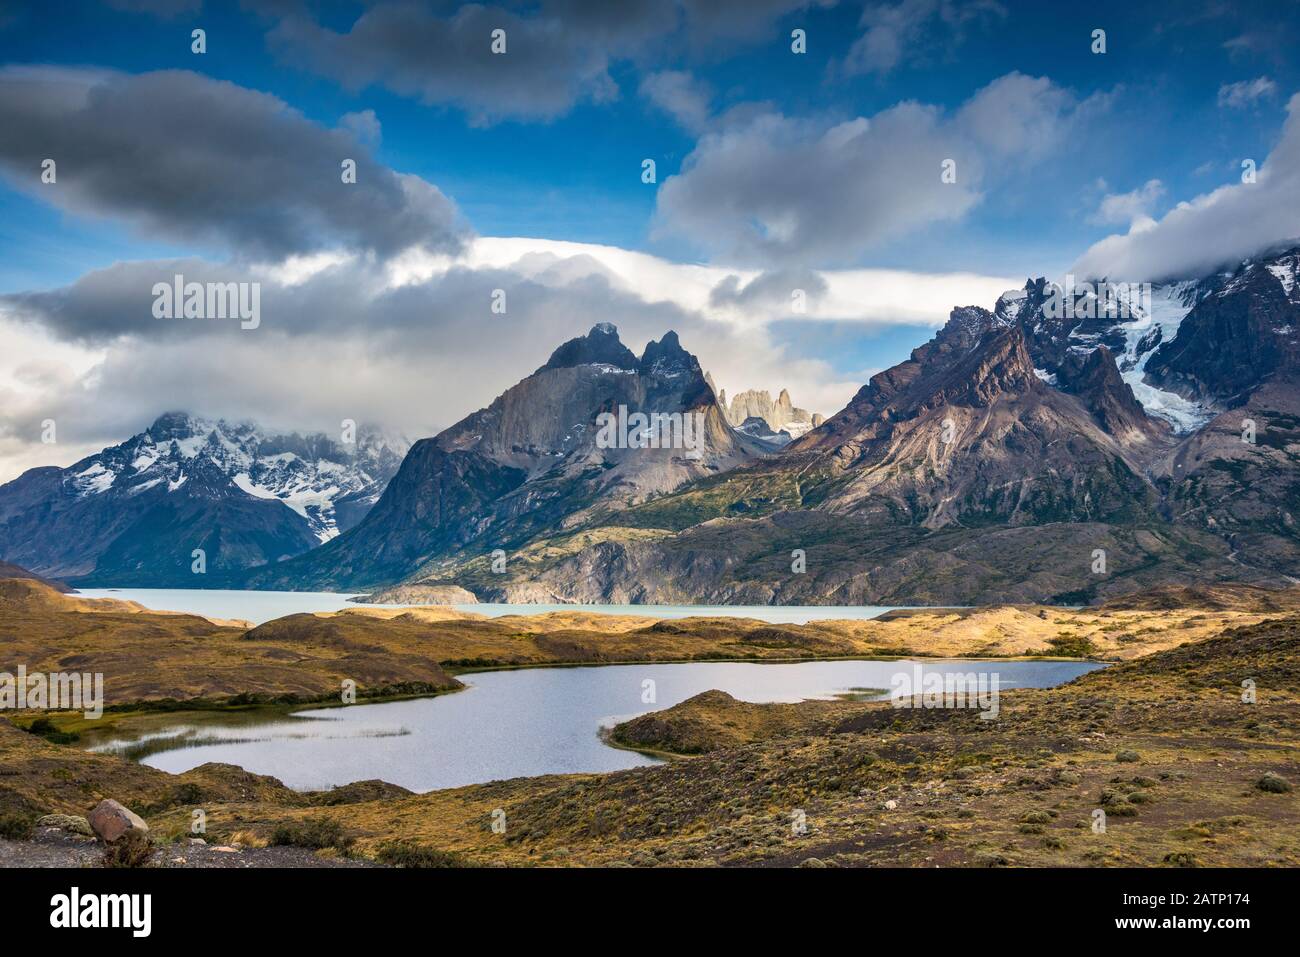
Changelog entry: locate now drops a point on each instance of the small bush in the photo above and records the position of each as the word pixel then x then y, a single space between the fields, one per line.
pixel 410 854
pixel 132 849
pixel 188 793
pixel 1128 757
pixel 1273 783
pixel 1069 645
pixel 315 834
pixel 44 728
pixel 15 826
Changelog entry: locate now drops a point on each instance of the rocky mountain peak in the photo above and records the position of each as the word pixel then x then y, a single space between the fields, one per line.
pixel 1017 305
pixel 967 325
pixel 133 512
pixel 776 418
pixel 600 346
pixel 667 357
pixel 1111 400
pixel 594 431
pixel 171 425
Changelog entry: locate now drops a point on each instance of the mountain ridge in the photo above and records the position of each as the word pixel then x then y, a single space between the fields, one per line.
pixel 1053 459
pixel 995 463
pixel 135 512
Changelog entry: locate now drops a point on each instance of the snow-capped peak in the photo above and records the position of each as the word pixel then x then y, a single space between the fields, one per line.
pixel 328 482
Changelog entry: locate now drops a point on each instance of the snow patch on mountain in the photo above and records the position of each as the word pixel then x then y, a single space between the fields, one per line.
pixel 1169 306
pixel 95 480
pixel 309 474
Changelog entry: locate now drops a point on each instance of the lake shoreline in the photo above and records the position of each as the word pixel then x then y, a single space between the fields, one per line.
pixel 72 722
pixel 260 606
pixel 519 722
pixel 880 785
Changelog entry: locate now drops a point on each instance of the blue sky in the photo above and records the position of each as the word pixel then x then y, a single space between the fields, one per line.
pixel 817 169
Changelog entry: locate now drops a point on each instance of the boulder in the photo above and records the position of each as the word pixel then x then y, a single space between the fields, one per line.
pixel 110 820
pixel 71 823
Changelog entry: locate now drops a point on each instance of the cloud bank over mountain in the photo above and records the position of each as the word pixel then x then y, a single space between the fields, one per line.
pixel 394 339
pixel 1216 229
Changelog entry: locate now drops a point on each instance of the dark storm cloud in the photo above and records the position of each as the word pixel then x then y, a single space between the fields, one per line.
pixel 447 59
pixel 343 299
pixel 558 53
pixel 188 158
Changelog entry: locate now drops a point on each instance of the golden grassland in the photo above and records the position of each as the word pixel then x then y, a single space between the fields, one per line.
pixel 1162 741
pixel 148 656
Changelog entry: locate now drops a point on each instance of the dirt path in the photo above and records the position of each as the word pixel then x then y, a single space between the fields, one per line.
pixel 54 848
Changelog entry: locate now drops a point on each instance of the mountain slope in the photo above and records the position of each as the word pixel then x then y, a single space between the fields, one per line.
pixel 533 461
pixel 957 476
pixel 10 570
pixel 135 512
pixel 1237 337
pixel 1067 445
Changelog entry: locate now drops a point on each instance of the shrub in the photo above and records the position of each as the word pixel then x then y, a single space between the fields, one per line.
pixel 15 826
pixel 44 728
pixel 188 793
pixel 1273 783
pixel 1127 757
pixel 132 849
pixel 314 833
pixel 1070 645
pixel 405 853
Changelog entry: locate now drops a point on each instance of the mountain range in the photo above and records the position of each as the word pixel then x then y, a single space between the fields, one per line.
pixel 134 513
pixel 1053 448
pixel 1027 452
